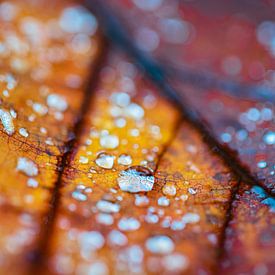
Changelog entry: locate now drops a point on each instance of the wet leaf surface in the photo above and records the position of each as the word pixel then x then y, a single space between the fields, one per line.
pixel 230 86
pixel 101 173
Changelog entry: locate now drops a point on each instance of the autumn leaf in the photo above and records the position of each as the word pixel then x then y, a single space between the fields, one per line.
pixel 138 146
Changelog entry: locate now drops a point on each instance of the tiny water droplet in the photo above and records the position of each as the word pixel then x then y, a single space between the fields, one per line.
pixel 136 179
pixel 128 224
pixel 163 201
pixel 109 141
pixel 27 166
pixel 262 164
pixel 269 138
pixel 7 121
pixel 124 159
pixel 57 102
pixel 192 191
pixel 105 161
pixel 77 195
pixel 160 244
pixel 107 206
pixel 83 160
pixel 23 132
pixel 169 189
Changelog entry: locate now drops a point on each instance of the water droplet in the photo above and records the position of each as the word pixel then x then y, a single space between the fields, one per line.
pixel 136 179
pixel 124 159
pixel 151 218
pixel 77 20
pixel 109 141
pixel 163 201
pixel 83 160
pixel 105 219
pixel 134 111
pixel 77 195
pixel 90 241
pixel 148 5
pixel 105 161
pixel 120 99
pixel 13 113
pixel 40 109
pixel 32 183
pixel 7 122
pixel 177 225
pixel 192 191
pixel 23 132
pixel 107 206
pixel 269 138
pixel 262 164
pixel 191 218
pixel 175 263
pixel 141 201
pixel 169 189
pixel 160 244
pixel 115 237
pixel 27 166
pixel 226 137
pixel 57 102
pixel 128 224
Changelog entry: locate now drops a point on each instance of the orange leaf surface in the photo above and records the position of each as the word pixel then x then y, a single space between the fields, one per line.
pixel 101 173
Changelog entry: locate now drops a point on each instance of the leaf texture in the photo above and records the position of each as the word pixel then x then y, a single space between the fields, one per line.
pixel 101 173
pixel 220 64
pixel 42 92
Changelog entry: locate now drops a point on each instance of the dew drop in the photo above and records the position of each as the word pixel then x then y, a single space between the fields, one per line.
pixel 57 102
pixel 191 218
pixel 128 224
pixel 192 191
pixel 105 219
pixel 269 138
pixel 109 141
pixel 107 206
pixel 120 99
pixel 23 132
pixel 134 111
pixel 160 244
pixel 169 189
pixel 40 109
pixel 32 183
pixel 7 122
pixel 115 237
pixel 124 159
pixel 141 201
pixel 105 161
pixel 175 263
pixel 262 164
pixel 77 195
pixel 27 166
pixel 83 160
pixel 163 201
pixel 136 179
pixel 90 241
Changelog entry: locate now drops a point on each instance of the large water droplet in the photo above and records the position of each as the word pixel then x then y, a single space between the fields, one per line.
pixel 136 179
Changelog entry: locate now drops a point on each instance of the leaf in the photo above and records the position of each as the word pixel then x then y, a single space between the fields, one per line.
pixel 42 97
pixel 101 173
pixel 249 242
pixel 236 96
